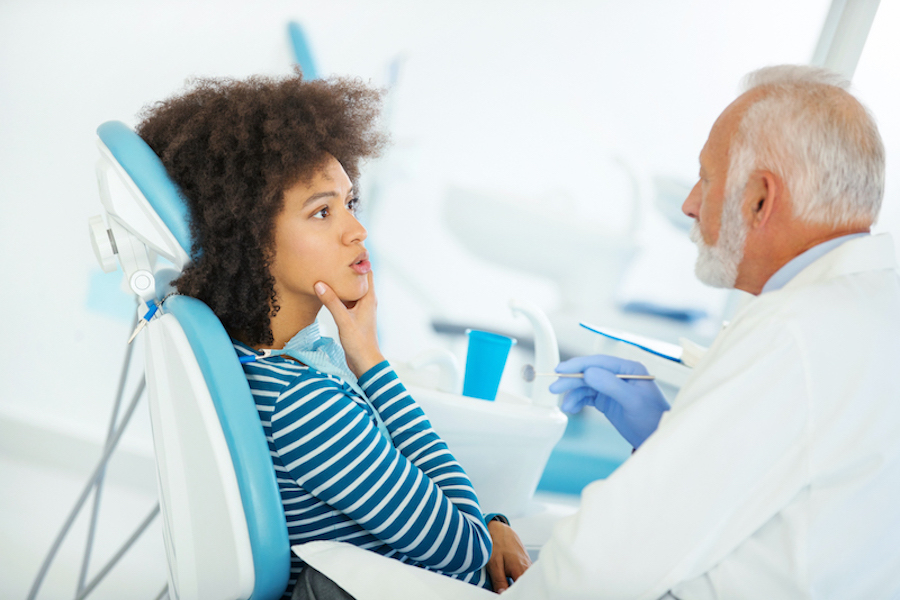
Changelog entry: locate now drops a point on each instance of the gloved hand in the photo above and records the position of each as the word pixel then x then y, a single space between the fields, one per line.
pixel 633 406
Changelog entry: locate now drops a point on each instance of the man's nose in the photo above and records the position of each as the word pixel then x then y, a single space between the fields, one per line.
pixel 691 206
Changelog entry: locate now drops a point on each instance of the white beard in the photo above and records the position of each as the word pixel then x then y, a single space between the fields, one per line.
pixel 717 265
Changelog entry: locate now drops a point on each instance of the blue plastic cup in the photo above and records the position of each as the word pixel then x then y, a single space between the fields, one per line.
pixel 485 360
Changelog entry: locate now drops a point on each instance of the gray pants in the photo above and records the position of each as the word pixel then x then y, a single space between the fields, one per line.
pixel 312 585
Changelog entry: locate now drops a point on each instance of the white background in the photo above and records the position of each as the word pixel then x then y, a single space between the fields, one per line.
pixel 536 102
pixel 528 100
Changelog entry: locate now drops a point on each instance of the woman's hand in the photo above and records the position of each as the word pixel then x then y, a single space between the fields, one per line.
pixel 508 557
pixel 356 327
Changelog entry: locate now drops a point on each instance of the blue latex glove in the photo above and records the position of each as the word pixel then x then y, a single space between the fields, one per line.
pixel 633 406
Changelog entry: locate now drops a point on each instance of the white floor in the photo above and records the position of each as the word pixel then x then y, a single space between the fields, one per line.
pixel 35 500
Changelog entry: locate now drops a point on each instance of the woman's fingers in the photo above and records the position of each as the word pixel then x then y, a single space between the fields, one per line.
pixel 331 302
pixel 369 299
pixel 509 559
pixel 497 573
pixel 356 326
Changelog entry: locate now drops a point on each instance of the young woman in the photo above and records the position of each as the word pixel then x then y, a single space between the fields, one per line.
pixel 269 168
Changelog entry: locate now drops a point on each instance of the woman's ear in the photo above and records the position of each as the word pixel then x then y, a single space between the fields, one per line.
pixel 762 197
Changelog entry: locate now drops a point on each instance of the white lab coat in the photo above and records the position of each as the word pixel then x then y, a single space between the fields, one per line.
pixel 775 475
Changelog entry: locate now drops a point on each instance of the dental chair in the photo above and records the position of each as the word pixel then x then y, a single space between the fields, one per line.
pixel 223 524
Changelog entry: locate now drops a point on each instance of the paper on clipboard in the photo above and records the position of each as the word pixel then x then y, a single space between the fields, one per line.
pixel 666 350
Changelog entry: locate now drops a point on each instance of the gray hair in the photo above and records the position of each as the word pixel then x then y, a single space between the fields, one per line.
pixel 824 144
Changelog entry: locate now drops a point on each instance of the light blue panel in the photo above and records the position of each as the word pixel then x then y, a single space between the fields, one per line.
pixel 302 53
pixel 589 450
pixel 105 296
pixel 246 441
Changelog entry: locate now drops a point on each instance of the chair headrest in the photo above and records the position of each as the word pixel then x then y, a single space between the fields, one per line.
pixel 148 173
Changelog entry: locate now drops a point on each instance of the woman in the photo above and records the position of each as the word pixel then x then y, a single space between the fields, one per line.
pixel 269 169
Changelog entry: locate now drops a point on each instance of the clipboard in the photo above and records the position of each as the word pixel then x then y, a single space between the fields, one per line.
pixel 665 350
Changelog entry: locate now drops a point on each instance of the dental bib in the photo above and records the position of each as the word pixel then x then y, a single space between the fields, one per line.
pixel 327 356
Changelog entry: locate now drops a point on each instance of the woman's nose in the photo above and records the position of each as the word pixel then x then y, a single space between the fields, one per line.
pixel 354 231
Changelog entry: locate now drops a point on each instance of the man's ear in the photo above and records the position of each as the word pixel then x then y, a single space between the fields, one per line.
pixel 762 197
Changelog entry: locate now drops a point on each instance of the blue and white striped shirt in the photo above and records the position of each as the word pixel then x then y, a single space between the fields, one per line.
pixel 341 479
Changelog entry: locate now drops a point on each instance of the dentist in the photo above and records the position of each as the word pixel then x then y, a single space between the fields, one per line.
pixel 776 471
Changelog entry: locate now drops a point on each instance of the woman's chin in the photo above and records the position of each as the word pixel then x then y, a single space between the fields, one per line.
pixel 352 296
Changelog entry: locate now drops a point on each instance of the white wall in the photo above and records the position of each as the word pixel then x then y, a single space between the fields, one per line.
pixel 530 99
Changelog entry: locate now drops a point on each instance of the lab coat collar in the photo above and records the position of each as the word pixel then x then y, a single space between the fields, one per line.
pixel 801 261
pixel 863 254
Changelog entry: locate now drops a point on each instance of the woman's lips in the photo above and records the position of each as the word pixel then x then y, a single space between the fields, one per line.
pixel 362 267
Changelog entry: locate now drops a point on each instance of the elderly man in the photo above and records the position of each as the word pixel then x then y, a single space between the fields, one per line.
pixel 776 473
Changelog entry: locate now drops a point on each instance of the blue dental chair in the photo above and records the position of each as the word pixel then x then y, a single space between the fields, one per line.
pixel 223 523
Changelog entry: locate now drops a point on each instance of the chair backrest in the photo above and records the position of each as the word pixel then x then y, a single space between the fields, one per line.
pixel 223 521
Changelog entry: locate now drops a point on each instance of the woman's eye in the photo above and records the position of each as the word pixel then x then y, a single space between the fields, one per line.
pixel 321 213
pixel 353 205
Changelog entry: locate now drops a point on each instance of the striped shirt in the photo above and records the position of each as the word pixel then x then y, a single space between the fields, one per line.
pixel 341 479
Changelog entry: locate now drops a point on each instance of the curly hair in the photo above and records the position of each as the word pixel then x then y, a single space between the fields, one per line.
pixel 234 147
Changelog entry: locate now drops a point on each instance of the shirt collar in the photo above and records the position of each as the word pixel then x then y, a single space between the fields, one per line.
pixel 308 338
pixel 783 275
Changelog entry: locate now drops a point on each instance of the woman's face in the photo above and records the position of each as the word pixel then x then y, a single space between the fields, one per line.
pixel 317 238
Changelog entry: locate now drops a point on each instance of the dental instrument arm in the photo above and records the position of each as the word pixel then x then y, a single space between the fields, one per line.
pixel 634 407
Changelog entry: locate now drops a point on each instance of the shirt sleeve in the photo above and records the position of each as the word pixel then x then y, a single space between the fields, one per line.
pixel 411 494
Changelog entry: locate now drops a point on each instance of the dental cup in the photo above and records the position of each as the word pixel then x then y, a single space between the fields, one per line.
pixel 485 360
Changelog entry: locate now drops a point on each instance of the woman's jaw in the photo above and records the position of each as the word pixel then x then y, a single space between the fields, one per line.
pixel 353 290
